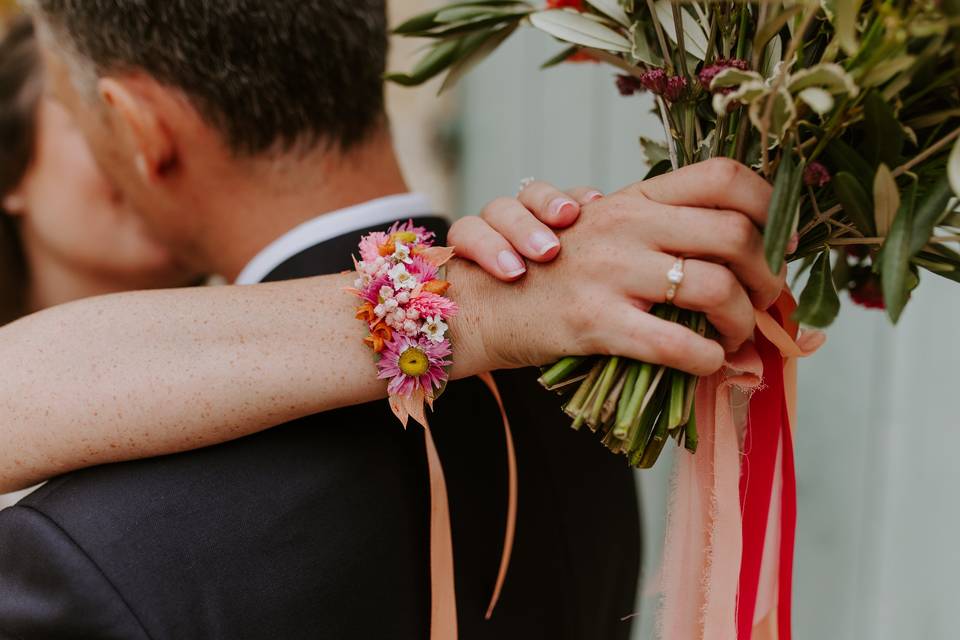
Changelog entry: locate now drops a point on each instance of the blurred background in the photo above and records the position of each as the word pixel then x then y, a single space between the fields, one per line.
pixel 879 425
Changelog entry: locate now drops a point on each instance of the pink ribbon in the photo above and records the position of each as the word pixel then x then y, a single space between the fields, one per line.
pixel 443 599
pixel 702 583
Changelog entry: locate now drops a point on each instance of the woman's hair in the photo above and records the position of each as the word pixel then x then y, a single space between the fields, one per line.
pixel 21 85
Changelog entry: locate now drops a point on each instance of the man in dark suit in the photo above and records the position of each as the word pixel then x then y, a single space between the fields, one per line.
pixel 251 137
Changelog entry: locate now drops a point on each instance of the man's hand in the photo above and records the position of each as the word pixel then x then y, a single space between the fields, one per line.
pixel 594 298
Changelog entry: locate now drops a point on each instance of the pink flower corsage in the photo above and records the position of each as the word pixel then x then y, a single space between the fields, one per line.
pixel 399 280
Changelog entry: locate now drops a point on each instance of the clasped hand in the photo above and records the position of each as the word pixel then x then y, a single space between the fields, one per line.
pixel 589 287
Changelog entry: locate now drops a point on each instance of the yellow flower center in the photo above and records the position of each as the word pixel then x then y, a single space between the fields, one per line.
pixel 405 237
pixel 414 362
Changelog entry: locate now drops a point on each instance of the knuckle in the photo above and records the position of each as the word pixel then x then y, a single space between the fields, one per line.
pixel 459 230
pixel 663 343
pixel 743 234
pixel 712 359
pixel 497 207
pixel 722 171
pixel 722 287
pixel 617 210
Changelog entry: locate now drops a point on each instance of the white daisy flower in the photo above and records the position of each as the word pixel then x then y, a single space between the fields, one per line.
pixel 435 329
pixel 402 253
pixel 402 279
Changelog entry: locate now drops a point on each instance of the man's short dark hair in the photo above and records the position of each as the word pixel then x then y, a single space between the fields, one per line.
pixel 269 74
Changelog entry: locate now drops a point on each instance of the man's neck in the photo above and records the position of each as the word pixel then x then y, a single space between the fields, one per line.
pixel 251 211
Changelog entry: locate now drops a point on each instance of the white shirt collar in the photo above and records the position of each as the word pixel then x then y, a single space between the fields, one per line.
pixel 330 225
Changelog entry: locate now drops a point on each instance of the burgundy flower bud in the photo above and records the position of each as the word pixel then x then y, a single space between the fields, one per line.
pixel 676 88
pixel 654 81
pixel 816 175
pixel 708 73
pixel 866 289
pixel 629 85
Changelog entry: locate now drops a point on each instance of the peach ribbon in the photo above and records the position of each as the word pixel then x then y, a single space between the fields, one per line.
pixel 443 600
pixel 701 563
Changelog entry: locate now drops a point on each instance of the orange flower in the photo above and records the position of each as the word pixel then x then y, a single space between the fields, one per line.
pixel 388 249
pixel 438 287
pixel 365 313
pixel 379 336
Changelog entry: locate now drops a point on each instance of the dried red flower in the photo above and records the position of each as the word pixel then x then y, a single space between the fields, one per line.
pixel 629 85
pixel 708 73
pixel 657 82
pixel 866 289
pixel 816 175
pixel 676 88
pixel 654 81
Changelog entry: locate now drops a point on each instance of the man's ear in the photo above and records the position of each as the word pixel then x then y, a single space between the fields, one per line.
pixel 141 119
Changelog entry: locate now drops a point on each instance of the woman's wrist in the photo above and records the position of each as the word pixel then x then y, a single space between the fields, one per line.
pixel 476 334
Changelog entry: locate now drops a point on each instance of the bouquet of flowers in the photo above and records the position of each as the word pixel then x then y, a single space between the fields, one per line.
pixel 850 108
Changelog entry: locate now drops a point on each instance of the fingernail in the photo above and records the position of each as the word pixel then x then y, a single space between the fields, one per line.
pixel 592 196
pixel 543 241
pixel 510 264
pixel 794 243
pixel 561 206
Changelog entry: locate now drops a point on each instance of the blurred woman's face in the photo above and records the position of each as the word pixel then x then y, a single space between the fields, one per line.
pixel 70 213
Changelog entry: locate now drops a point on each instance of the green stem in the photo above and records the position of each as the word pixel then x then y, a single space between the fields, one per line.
pixel 664 49
pixel 613 398
pixel 642 430
pixel 692 439
pixel 678 392
pixel 574 407
pixel 584 413
pixel 742 31
pixel 637 395
pixel 652 451
pixel 560 371
pixel 603 388
pixel 622 427
pixel 681 48
pixel 712 39
pixel 690 397
pixel 689 118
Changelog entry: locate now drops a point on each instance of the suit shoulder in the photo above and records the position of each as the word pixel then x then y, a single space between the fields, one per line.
pixel 50 587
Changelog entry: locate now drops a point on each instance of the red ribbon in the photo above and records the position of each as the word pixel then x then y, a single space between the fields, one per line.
pixel 768 447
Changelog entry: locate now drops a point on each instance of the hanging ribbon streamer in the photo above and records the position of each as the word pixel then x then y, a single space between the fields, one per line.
pixel 443 600
pixel 728 557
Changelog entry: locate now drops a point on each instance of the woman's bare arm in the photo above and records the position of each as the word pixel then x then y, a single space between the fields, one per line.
pixel 141 374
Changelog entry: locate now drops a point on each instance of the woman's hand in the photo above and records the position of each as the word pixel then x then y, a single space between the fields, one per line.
pixel 510 230
pixel 595 297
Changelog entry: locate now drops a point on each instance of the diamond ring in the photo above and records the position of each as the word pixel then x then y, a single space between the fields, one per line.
pixel 526 182
pixel 675 278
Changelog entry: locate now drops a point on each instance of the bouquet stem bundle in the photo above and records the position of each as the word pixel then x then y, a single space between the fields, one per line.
pixel 634 406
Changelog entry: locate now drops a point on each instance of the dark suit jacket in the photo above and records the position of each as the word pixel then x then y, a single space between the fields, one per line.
pixel 319 528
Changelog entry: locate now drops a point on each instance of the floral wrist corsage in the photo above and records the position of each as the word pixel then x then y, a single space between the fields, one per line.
pixel 400 282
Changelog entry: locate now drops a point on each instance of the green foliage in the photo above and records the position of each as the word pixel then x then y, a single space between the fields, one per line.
pixel 782 218
pixel 819 303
